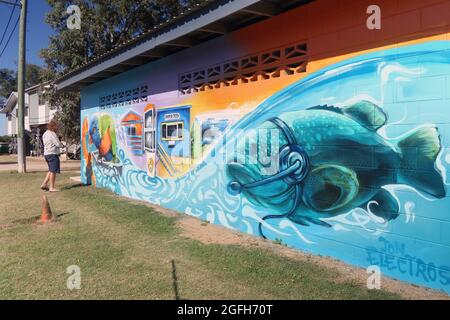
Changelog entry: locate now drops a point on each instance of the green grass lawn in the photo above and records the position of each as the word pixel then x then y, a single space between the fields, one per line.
pixel 127 250
pixel 11 159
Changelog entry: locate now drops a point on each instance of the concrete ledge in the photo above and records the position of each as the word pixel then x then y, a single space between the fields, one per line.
pixel 76 179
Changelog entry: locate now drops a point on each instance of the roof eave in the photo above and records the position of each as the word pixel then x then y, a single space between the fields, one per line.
pixel 37 86
pixel 195 21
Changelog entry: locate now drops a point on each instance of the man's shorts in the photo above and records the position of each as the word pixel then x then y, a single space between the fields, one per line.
pixel 53 163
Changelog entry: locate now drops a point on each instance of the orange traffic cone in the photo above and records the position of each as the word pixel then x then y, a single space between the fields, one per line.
pixel 46 212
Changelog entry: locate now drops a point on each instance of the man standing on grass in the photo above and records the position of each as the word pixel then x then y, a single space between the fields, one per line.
pixel 52 147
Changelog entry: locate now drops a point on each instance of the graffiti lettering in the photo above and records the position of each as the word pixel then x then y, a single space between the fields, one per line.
pixel 392 256
pixel 172 116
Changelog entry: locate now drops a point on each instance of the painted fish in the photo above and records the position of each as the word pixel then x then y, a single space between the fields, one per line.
pixel 348 164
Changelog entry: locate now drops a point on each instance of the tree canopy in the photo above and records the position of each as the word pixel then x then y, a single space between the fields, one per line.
pixel 104 25
pixel 8 79
pixel 8 82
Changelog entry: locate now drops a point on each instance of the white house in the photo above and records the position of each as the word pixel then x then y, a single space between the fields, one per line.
pixel 37 111
pixel 10 111
pixel 37 116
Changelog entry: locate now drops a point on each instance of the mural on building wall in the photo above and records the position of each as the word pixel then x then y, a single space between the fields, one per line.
pixel 362 146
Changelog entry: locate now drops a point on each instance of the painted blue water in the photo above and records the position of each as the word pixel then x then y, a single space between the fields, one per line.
pixel 411 84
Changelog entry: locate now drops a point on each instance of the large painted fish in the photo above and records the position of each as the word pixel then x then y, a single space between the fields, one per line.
pixel 332 160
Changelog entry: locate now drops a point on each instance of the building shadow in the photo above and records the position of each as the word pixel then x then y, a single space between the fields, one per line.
pixel 75 186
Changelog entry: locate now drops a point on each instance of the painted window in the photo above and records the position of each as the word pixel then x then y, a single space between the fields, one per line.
pixel 172 130
pixel 131 131
pixel 149 129
pixel 150 141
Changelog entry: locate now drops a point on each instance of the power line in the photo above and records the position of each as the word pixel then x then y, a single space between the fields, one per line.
pixel 10 36
pixel 7 25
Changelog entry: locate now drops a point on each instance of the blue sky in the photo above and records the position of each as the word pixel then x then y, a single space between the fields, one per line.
pixel 37 37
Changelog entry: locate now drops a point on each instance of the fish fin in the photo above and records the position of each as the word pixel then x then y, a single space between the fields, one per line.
pixel 367 114
pixel 330 187
pixel 318 222
pixel 419 151
pixel 364 112
pixel 303 220
pixel 326 108
pixel 383 205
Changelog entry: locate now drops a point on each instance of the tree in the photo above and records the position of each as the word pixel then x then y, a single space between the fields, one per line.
pixel 8 79
pixel 68 109
pixel 8 82
pixel 104 25
pixel 5 139
pixel 34 75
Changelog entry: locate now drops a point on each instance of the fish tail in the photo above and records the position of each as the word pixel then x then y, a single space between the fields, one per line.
pixel 419 151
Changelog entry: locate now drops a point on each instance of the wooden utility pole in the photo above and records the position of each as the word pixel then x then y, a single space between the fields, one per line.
pixel 21 157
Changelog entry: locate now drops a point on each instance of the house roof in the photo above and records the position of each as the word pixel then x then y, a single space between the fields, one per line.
pixel 132 117
pixel 34 88
pixel 10 103
pixel 206 20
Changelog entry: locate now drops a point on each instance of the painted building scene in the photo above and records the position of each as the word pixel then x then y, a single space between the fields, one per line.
pixel 333 138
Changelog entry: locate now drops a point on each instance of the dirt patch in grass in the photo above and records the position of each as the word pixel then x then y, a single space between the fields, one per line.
pixel 214 234
pixel 208 233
